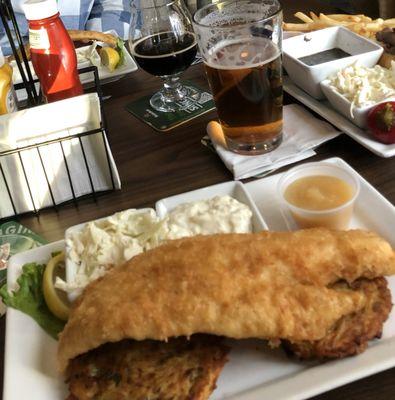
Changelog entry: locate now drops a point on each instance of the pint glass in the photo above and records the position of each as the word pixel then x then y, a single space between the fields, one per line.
pixel 240 43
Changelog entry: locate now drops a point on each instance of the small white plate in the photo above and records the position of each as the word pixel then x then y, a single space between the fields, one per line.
pixel 234 189
pixel 71 267
pixel 253 372
pixel 326 110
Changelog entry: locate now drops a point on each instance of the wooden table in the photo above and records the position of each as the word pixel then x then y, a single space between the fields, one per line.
pixel 155 165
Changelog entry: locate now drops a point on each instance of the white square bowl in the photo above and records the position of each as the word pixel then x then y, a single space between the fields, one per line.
pixel 308 77
pixel 234 189
pixel 343 105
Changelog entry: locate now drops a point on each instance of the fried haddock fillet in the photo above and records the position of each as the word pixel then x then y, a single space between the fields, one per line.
pixel 180 369
pixel 271 285
pixel 351 334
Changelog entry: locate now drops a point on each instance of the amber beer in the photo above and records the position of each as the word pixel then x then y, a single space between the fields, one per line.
pixel 245 77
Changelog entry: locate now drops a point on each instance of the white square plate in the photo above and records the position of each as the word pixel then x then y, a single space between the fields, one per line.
pixel 253 372
pixel 325 110
pixel 234 189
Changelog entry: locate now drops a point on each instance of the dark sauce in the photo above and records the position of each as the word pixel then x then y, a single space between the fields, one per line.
pixel 324 56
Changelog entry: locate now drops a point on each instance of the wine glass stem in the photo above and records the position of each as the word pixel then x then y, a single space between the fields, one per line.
pixel 172 89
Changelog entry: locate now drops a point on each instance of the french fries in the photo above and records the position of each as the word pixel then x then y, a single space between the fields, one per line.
pixel 361 24
pixel 303 17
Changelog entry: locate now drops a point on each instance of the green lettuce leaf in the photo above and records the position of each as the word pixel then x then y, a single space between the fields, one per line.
pixel 120 48
pixel 29 298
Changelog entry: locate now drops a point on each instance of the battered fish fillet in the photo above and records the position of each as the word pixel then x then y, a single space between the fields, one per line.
pixel 180 369
pixel 268 285
pixel 351 334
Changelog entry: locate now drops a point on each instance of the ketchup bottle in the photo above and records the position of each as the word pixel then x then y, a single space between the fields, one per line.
pixel 52 51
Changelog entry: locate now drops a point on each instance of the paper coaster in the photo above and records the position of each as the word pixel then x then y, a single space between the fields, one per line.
pixel 198 104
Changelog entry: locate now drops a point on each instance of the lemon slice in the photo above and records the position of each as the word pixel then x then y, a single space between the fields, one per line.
pixel 56 299
pixel 109 57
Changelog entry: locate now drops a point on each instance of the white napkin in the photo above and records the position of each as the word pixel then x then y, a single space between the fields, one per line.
pixel 52 121
pixel 301 134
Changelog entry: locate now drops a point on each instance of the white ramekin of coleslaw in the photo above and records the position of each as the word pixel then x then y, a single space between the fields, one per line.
pixel 355 90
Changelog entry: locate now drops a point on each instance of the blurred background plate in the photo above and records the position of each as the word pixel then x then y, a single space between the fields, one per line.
pixel 87 79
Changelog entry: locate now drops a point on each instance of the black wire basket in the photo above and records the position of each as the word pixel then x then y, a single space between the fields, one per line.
pixel 34 98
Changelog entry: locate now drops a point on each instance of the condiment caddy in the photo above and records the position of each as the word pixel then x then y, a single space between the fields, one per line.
pixel 65 161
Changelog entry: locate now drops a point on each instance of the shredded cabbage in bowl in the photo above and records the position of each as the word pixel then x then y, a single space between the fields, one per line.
pixel 103 244
pixel 364 86
pixel 107 243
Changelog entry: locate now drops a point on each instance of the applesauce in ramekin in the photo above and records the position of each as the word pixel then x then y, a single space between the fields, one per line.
pixel 319 195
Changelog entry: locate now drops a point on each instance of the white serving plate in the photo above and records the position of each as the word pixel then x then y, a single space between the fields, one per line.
pixel 71 267
pixel 308 77
pixel 234 189
pixel 325 110
pixel 253 372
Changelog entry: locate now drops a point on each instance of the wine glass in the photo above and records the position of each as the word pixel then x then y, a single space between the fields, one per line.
pixel 163 44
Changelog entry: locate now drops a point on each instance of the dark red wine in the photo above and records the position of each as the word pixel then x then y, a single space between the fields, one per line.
pixel 164 53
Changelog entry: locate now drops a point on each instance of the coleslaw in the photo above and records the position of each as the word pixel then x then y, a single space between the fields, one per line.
pixel 109 242
pixel 103 244
pixel 364 86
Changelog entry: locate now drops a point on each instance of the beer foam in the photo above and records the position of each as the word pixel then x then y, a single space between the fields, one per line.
pixel 134 53
pixel 249 52
pixel 240 13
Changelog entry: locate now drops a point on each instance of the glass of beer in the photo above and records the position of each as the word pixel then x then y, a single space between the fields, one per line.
pixel 240 43
pixel 163 44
